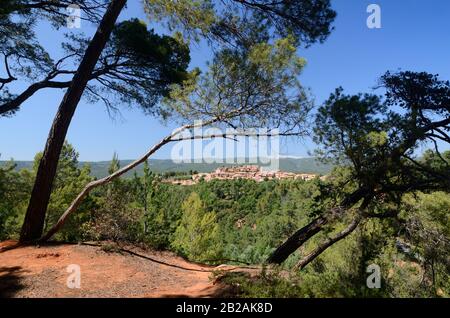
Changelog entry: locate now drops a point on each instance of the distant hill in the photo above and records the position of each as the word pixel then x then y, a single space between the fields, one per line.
pixel 100 168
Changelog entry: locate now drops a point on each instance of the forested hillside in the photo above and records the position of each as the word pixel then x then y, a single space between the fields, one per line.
pixel 99 169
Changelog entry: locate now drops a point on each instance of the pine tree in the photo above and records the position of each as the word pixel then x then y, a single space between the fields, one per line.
pixel 197 236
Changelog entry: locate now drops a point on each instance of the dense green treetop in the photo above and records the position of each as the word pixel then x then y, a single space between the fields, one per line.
pixel 237 21
pixel 380 137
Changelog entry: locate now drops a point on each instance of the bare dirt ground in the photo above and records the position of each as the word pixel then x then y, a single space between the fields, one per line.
pixel 33 271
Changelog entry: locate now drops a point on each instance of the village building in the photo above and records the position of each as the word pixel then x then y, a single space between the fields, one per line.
pixel 252 172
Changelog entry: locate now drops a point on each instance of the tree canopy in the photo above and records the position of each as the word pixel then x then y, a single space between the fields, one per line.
pixel 377 140
pixel 246 88
pixel 135 70
pixel 237 21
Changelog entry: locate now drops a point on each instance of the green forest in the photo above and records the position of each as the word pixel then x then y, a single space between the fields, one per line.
pixel 242 222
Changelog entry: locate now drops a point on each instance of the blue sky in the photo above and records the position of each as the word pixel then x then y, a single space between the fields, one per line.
pixel 415 35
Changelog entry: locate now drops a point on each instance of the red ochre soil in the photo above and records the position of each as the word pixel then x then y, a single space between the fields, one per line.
pixel 33 271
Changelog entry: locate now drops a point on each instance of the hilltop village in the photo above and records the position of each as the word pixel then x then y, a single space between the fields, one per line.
pixel 244 172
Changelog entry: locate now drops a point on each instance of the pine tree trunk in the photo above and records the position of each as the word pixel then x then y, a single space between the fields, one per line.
pixel 302 235
pixel 35 216
pixel 296 240
pixel 330 241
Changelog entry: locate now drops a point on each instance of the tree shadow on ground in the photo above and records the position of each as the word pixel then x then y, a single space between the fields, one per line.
pixel 207 268
pixel 216 291
pixel 10 281
pixel 9 245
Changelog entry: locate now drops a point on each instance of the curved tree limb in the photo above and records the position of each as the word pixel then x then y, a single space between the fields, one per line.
pixel 327 243
pixel 170 138
pixel 76 203
pixel 10 78
pixel 296 240
pixel 305 233
pixel 91 8
pixel 14 104
pixel 332 240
